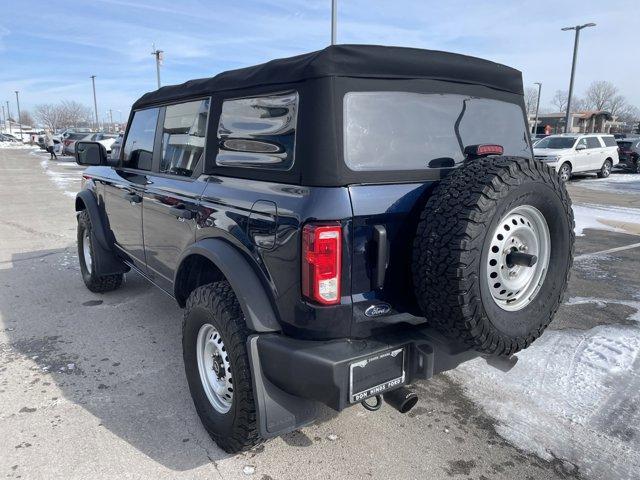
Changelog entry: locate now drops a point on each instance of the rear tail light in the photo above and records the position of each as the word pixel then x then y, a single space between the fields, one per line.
pixel 483 150
pixel 321 263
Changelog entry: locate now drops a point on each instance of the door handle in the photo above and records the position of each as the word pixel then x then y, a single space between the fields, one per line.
pixel 133 197
pixel 181 212
pixel 382 255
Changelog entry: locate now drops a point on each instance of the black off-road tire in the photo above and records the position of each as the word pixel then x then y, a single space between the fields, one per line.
pixel 216 304
pixel 635 166
pixel 95 283
pixel 605 170
pixel 452 241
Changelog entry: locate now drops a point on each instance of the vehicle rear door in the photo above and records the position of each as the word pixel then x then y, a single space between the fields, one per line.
pixel 174 189
pixel 393 131
pixel 124 191
pixel 595 153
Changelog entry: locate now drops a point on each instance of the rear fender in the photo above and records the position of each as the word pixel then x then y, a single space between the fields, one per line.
pixel 257 308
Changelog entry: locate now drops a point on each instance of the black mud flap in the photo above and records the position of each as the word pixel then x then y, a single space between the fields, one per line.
pixel 278 412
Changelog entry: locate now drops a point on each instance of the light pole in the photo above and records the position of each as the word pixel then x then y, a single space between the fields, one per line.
pixel 19 122
pixel 110 120
pixel 158 54
pixel 577 28
pixel 95 103
pixel 535 123
pixel 9 117
pixel 334 21
pixel 4 119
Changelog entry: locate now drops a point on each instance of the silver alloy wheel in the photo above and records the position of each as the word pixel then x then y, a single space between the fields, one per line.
pixel 214 368
pixel 86 251
pixel 524 229
pixel 606 169
pixel 565 172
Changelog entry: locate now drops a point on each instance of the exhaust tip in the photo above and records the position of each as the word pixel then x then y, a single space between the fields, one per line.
pixel 401 399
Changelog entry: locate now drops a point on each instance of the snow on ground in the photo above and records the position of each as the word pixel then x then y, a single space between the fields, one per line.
pixel 601 217
pixel 67 181
pixel 16 145
pixel 622 183
pixel 572 395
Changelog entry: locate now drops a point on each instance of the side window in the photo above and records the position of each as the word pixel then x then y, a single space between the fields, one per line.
pixel 609 142
pixel 183 137
pixel 258 132
pixel 583 142
pixel 593 142
pixel 138 147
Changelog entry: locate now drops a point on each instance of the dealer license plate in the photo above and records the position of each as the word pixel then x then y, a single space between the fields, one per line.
pixel 376 374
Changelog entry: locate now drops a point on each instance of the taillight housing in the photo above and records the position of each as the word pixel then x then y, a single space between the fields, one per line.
pixel 321 263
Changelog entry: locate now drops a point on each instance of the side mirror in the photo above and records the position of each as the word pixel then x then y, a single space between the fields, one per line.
pixel 90 153
pixel 580 147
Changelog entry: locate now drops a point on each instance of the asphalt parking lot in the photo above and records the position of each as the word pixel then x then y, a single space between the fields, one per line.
pixel 92 386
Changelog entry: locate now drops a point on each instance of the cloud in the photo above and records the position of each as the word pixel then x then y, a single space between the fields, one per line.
pixel 51 52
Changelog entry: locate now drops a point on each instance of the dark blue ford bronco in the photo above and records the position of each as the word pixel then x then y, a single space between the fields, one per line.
pixel 336 226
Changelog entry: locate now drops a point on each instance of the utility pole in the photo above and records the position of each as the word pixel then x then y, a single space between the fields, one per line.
pixel 334 21
pixel 9 117
pixel 95 103
pixel 577 28
pixel 19 122
pixel 535 123
pixel 110 120
pixel 159 57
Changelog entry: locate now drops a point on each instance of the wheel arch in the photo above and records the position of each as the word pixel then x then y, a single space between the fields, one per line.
pixel 212 259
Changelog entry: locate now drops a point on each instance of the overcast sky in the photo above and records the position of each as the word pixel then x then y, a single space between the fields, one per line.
pixel 49 49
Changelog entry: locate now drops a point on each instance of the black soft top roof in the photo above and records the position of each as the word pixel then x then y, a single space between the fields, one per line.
pixel 364 61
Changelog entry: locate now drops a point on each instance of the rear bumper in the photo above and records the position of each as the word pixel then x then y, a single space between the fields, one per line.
pixel 293 378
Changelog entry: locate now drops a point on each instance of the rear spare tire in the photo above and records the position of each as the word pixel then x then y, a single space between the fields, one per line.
pixel 492 253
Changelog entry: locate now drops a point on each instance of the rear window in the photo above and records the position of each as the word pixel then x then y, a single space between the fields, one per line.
pixel 609 141
pixel 413 131
pixel 593 142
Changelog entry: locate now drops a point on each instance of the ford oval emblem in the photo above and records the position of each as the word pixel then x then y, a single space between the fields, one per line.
pixel 377 310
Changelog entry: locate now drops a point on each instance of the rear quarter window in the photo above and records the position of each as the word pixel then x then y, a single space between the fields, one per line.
pixel 609 141
pixel 414 131
pixel 258 132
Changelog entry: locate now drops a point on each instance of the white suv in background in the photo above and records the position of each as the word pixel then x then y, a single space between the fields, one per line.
pixel 576 153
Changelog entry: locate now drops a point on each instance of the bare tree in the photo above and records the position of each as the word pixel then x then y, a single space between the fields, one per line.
pixel 600 94
pixel 530 100
pixel 559 101
pixel 26 118
pixel 74 114
pixel 48 115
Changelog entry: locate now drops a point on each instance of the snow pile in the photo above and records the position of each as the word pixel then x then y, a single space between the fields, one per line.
pixel 618 183
pixel 66 181
pixel 601 217
pixel 16 145
pixel 573 395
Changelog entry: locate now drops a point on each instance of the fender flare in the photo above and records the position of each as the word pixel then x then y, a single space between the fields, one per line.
pixel 106 261
pixel 255 304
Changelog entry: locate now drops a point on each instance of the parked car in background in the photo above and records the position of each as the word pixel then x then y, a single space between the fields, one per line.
pixel 115 148
pixel 57 144
pixel 629 152
pixel 105 139
pixel 69 143
pixel 5 137
pixel 578 153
